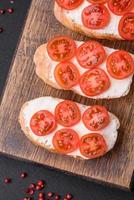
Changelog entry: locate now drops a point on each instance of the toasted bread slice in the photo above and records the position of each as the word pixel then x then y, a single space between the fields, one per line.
pixel 49 103
pixel 72 20
pixel 45 70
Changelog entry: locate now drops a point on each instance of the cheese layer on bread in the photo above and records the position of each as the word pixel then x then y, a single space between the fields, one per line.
pixel 49 103
pixel 45 67
pixel 73 19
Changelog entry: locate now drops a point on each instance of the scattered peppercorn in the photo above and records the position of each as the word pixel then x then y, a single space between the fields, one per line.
pixel 38 187
pixel 69 196
pixel 31 192
pixel 57 197
pixel 2 11
pixel 40 183
pixel 42 186
pixel 50 194
pixel 32 186
pixel 7 180
pixel 41 194
pixel 10 10
pixel 23 175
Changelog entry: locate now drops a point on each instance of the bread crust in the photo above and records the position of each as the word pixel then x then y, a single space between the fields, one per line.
pixel 27 132
pixel 43 66
pixel 61 17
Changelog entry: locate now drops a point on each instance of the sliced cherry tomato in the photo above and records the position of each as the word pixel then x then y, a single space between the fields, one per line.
pixel 61 48
pixel 126 26
pixel 66 140
pixel 94 82
pixel 90 54
pixel 98 1
pixel 120 64
pixel 69 4
pixel 67 113
pixel 66 75
pixel 119 7
pixel 96 118
pixel 42 123
pixel 95 16
pixel 93 145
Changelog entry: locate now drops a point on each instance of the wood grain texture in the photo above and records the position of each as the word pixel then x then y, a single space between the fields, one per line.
pixel 22 85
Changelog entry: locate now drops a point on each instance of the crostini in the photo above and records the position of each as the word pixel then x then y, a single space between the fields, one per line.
pixel 66 127
pixel 87 68
pixel 110 19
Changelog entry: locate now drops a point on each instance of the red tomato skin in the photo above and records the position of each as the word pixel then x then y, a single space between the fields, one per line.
pixel 98 1
pixel 34 129
pixel 97 92
pixel 61 38
pixel 122 25
pixel 59 81
pixel 93 156
pixel 85 16
pixel 119 12
pixel 77 4
pixel 77 113
pixel 75 142
pixel 106 117
pixel 101 50
pixel 131 61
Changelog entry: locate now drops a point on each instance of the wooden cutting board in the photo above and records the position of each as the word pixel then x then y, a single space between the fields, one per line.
pixel 23 84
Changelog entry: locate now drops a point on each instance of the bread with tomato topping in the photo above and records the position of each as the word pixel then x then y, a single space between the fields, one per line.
pixel 116 88
pixel 107 135
pixel 113 29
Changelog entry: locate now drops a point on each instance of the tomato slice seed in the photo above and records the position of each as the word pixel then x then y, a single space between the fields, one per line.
pixel 65 140
pixel 90 54
pixel 93 145
pixel 96 118
pixel 95 16
pixel 120 7
pixel 61 48
pixel 67 113
pixel 42 123
pixel 120 64
pixel 66 75
pixel 94 82
pixel 126 26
